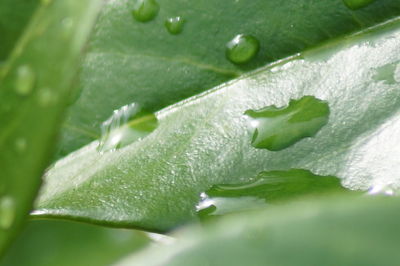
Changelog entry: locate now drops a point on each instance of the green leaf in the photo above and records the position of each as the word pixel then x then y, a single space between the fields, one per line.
pixel 332 231
pixel 132 61
pixel 34 90
pixel 156 183
pixel 49 243
pixel 14 15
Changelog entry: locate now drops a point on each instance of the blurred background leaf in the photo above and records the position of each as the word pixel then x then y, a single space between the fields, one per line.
pixel 34 89
pixel 49 243
pixel 331 231
pixel 14 16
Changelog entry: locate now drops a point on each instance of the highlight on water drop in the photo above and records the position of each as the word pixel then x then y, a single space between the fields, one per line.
pixel 7 212
pixel 25 80
pixel 128 124
pixel 145 10
pixel 357 4
pixel 175 25
pixel 277 128
pixel 242 48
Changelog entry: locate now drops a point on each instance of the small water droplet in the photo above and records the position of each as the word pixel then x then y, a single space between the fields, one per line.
pixel 242 49
pixel 20 144
pixel 357 4
pixel 67 23
pixel 127 125
pixel 45 2
pixel 277 128
pixel 386 73
pixel 46 97
pixel 25 80
pixel 145 10
pixel 175 25
pixel 7 212
pixel 266 188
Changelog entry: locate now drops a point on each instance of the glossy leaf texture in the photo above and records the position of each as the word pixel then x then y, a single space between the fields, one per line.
pixel 34 90
pixel 14 15
pixel 133 61
pixel 49 243
pixel 331 231
pixel 156 183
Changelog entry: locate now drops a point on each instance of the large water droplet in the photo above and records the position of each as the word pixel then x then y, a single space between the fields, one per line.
pixel 278 128
pixel 126 125
pixel 242 49
pixel 357 4
pixel 25 80
pixel 268 187
pixel 175 25
pixel 7 212
pixel 145 10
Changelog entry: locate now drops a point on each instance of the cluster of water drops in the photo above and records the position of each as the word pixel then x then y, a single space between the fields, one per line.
pixel 241 49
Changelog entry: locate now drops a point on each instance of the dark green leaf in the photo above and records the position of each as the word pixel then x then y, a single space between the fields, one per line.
pixel 132 61
pixel 50 243
pixel 14 15
pixel 34 89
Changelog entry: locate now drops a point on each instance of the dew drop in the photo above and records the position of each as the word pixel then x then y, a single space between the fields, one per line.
pixel 175 25
pixel 45 2
pixel 386 73
pixel 25 80
pixel 127 125
pixel 46 97
pixel 277 128
pixel 357 4
pixel 268 187
pixel 7 212
pixel 145 10
pixel 20 145
pixel 242 49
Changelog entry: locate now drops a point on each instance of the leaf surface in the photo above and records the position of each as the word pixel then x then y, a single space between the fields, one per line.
pixel 331 231
pixel 155 183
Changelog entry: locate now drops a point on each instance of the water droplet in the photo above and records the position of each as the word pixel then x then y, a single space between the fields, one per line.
pixel 20 144
pixel 357 4
pixel 145 10
pixel 175 25
pixel 277 128
pixel 242 49
pixel 386 74
pixel 46 97
pixel 127 125
pixel 266 188
pixel 7 212
pixel 45 2
pixel 25 80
